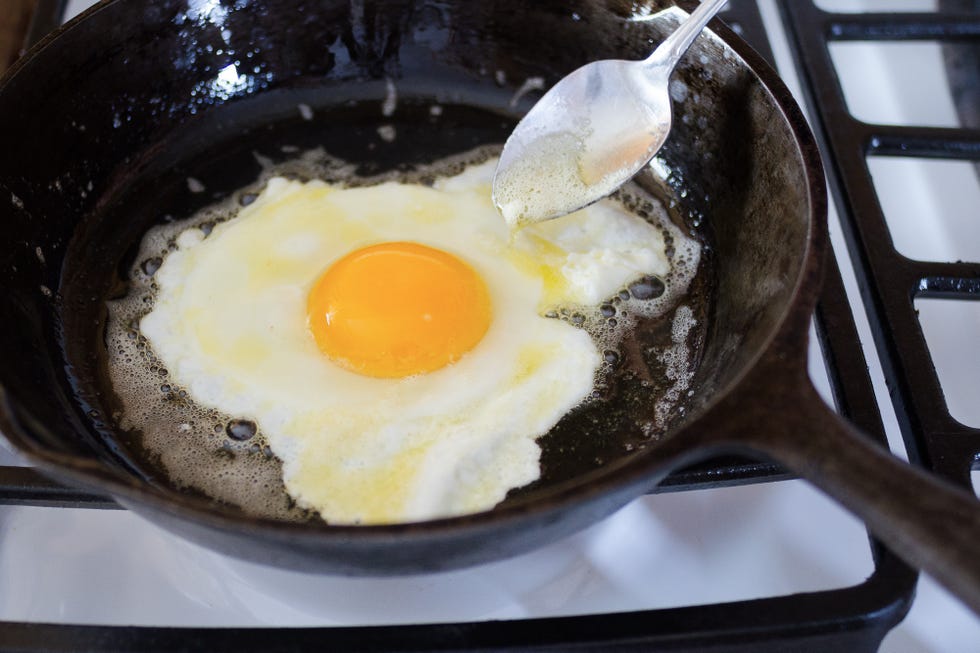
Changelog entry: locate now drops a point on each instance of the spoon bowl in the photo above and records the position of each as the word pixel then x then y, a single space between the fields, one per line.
pixel 592 131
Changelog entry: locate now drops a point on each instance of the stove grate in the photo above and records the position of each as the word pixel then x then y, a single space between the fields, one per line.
pixel 890 283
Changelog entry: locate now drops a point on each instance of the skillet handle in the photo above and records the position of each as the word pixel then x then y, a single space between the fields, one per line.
pixel 928 522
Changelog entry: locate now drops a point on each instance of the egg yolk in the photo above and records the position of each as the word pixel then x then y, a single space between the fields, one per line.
pixel 398 309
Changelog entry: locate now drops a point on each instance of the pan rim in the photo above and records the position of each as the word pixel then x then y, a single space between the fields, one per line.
pixel 622 476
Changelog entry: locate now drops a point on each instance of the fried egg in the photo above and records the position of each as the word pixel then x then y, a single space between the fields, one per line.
pixel 395 344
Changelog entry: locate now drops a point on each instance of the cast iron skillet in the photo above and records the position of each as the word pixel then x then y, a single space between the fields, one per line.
pixel 124 104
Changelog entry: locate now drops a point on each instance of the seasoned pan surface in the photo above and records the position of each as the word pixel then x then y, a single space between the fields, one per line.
pixel 196 103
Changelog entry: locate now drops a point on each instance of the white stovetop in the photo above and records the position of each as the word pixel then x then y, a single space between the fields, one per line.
pixel 110 567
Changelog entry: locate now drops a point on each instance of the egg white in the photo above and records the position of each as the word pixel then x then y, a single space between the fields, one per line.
pixel 229 323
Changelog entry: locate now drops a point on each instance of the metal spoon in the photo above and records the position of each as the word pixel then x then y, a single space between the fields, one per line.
pixel 592 131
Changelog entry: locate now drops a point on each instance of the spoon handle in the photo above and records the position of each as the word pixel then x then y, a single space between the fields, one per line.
pixel 673 48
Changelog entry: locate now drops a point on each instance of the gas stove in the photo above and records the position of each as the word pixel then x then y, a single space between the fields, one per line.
pixel 755 564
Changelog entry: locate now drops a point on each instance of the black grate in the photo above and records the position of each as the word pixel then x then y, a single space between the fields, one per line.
pixel 851 619
pixel 890 282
